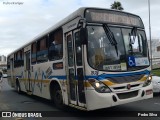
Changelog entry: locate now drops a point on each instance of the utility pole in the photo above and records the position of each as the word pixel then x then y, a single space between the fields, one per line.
pixel 150 33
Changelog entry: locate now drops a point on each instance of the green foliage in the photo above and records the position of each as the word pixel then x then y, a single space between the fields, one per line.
pixel 156 72
pixel 117 5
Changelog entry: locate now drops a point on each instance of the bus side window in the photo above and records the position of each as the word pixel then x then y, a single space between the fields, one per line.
pixel 15 60
pixel 22 56
pixel 78 46
pixel 33 54
pixel 42 50
pixel 56 45
pixel 18 59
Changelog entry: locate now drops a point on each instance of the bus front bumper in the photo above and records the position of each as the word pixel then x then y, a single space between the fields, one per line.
pixel 97 100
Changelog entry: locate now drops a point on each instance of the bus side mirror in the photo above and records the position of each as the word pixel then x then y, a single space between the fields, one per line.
pixel 83 35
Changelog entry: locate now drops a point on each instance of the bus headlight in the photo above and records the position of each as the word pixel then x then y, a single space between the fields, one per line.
pixel 99 86
pixel 147 82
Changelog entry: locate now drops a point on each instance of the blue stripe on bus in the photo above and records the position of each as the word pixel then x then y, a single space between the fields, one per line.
pixel 58 77
pixel 102 76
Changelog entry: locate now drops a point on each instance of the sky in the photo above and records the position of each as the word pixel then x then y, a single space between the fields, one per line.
pixel 25 19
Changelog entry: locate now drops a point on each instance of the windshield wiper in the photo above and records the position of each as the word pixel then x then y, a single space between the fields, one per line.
pixel 134 31
pixel 111 37
pixel 132 37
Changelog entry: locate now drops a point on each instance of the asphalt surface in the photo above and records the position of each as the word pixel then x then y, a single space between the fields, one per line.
pixel 10 100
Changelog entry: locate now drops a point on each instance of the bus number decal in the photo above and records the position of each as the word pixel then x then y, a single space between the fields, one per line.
pixel 94 72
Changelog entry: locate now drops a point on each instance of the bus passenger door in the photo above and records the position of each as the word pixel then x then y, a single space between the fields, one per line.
pixel 12 72
pixel 75 69
pixel 27 71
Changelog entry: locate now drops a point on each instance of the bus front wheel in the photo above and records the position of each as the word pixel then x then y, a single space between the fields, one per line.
pixel 18 88
pixel 57 97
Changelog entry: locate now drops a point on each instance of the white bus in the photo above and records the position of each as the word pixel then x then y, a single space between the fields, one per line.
pixel 95 58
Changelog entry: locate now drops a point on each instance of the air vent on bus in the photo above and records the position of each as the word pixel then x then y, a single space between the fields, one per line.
pixel 125 87
pixel 127 95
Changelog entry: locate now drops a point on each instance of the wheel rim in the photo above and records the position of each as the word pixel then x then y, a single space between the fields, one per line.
pixel 58 97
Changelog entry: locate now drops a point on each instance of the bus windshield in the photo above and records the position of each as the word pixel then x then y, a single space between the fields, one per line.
pixel 125 54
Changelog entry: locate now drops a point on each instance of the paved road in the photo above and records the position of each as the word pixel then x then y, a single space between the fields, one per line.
pixel 12 101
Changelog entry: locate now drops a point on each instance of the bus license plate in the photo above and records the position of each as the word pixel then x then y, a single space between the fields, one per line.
pixel 148 92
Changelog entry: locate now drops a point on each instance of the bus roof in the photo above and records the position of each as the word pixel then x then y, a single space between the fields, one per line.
pixel 78 13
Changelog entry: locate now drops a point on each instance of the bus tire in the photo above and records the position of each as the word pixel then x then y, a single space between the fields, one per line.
pixel 18 88
pixel 57 97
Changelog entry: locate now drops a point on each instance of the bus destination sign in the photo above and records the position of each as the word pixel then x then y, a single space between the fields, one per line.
pixel 113 17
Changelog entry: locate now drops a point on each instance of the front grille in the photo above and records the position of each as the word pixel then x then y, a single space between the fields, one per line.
pixel 126 79
pixel 118 88
pixel 136 85
pixel 127 95
pixel 125 87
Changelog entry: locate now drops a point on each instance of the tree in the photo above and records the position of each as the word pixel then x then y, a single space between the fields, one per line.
pixel 117 5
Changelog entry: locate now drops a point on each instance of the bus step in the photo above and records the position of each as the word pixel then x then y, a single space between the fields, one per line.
pixel 78 107
pixel 29 92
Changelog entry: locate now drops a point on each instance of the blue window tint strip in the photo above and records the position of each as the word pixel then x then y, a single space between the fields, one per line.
pixel 58 77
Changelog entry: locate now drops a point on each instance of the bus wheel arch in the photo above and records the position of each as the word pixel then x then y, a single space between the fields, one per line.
pixel 18 87
pixel 56 94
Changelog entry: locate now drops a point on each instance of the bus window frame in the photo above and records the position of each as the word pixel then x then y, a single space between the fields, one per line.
pixel 34 62
pixel 51 40
pixel 19 58
pixel 39 49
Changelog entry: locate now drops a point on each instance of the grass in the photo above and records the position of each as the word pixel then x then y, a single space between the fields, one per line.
pixel 156 72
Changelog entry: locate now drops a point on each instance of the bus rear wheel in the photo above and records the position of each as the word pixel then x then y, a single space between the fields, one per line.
pixel 57 97
pixel 18 88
